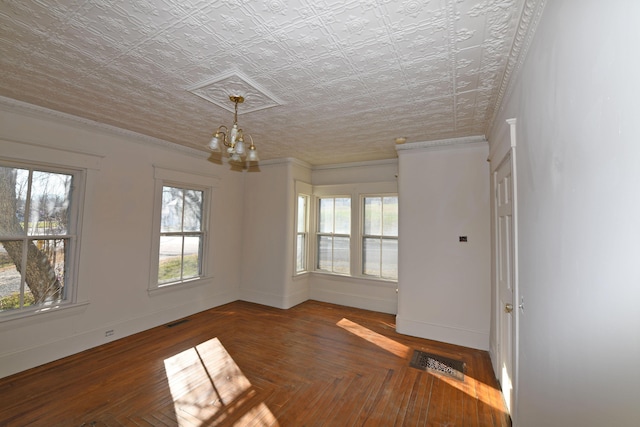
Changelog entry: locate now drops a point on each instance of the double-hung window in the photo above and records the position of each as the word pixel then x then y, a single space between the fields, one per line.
pixel 333 237
pixel 180 238
pixel 181 235
pixel 380 237
pixel 356 230
pixel 39 223
pixel 302 233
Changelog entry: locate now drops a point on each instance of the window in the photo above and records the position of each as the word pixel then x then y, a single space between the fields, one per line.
pixel 39 217
pixel 355 230
pixel 380 237
pixel 180 237
pixel 302 233
pixel 333 237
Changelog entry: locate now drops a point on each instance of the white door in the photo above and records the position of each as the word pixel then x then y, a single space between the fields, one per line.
pixel 505 242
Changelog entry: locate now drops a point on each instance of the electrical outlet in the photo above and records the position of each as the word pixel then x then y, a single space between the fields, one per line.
pixel 108 333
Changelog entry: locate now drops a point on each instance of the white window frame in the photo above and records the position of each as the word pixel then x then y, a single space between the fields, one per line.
pixel 186 180
pixel 356 191
pixel 78 165
pixel 364 236
pixel 302 190
pixel 333 234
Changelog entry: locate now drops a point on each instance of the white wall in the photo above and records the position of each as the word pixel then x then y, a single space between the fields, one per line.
pixel 577 106
pixel 268 235
pixel 115 255
pixel 444 284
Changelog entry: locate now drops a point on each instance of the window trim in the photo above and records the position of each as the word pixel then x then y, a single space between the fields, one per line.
pixel 306 190
pixel 186 180
pixel 304 233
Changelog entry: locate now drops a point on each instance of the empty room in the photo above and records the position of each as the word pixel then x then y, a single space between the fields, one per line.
pixel 332 213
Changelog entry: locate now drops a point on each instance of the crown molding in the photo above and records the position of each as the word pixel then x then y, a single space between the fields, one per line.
pixel 14 106
pixel 527 25
pixel 464 142
pixel 355 164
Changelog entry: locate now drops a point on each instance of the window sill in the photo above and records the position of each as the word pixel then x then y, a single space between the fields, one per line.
pixel 180 286
pixel 36 315
pixel 370 280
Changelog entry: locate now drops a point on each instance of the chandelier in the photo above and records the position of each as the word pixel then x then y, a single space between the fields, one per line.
pixel 234 139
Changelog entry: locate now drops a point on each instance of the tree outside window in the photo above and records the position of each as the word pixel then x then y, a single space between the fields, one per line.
pixel 36 234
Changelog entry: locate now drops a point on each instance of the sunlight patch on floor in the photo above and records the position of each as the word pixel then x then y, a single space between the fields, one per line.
pixel 474 388
pixel 381 341
pixel 208 388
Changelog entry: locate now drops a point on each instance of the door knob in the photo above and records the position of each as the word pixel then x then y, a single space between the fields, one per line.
pixel 508 308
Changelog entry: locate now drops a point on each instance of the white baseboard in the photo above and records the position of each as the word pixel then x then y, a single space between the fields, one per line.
pixel 263 298
pixel 365 302
pixel 42 353
pixel 452 335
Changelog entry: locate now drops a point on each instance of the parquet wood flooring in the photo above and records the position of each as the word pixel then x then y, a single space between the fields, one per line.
pixel 244 364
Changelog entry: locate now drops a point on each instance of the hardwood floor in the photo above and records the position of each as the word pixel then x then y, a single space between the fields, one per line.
pixel 243 364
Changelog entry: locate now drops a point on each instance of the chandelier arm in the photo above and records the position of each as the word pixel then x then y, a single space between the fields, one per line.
pixel 224 137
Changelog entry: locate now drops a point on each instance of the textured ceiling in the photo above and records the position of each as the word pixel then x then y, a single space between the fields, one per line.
pixel 325 81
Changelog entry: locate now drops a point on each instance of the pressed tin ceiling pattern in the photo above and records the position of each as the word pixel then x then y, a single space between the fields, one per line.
pixel 325 81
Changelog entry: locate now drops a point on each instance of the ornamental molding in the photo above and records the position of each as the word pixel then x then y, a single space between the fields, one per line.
pixel 464 142
pixel 217 90
pixel 527 25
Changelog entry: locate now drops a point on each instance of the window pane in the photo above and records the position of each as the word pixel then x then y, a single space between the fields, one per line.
pixel 343 215
pixel 371 257
pixel 373 216
pixel 9 276
pixel 301 262
pixel 13 191
pixel 390 219
pixel 325 252
pixel 390 258
pixel 191 266
pixel 192 210
pixel 49 203
pixel 302 214
pixel 325 223
pixel 170 259
pixel 172 199
pixel 45 275
pixel 341 255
